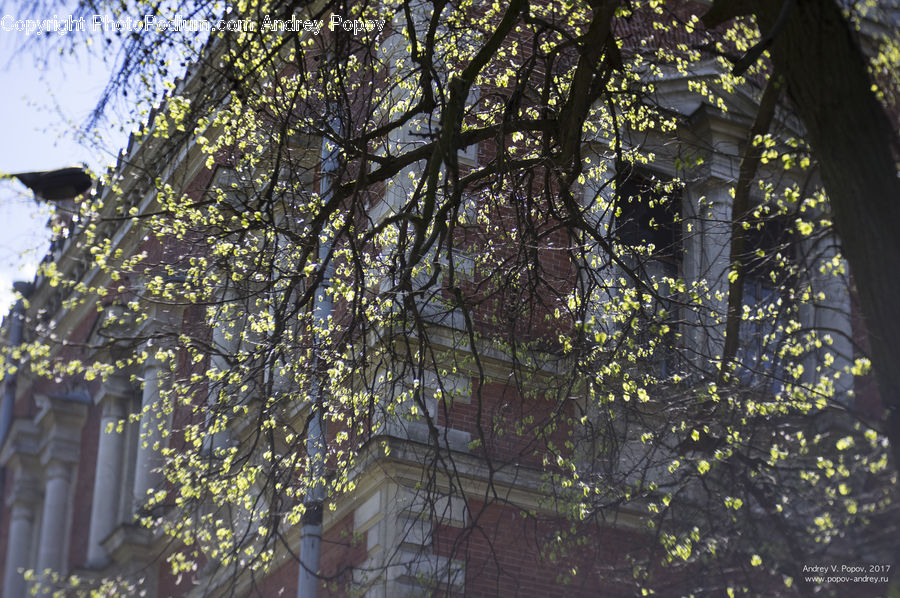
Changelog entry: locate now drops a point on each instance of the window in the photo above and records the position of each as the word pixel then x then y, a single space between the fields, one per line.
pixel 647 224
pixel 647 214
pixel 764 309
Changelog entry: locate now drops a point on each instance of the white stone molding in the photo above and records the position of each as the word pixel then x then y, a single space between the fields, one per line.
pixel 148 468
pixel 24 500
pixel 114 399
pixel 60 419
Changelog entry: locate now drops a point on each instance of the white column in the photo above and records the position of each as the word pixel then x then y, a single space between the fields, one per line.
pixel 227 346
pixel 20 530
pixel 24 501
pixel 148 474
pixel 53 524
pixel 831 317
pixel 60 419
pixel 707 255
pixel 108 476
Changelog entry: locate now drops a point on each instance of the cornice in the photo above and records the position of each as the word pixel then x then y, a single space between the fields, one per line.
pixel 22 444
pixel 60 419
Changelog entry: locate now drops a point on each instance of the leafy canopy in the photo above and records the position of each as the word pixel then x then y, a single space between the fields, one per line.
pixel 497 218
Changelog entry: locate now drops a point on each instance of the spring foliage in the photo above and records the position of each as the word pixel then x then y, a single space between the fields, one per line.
pixel 488 217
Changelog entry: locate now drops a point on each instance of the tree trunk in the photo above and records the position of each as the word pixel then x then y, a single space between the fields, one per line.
pixel 853 140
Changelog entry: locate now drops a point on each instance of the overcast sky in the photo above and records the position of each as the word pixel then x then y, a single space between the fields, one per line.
pixel 38 107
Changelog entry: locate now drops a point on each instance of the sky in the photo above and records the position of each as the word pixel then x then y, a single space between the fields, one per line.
pixel 40 106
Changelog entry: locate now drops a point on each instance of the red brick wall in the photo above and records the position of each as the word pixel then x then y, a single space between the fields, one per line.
pixel 341 551
pixel 506 554
pixel 282 582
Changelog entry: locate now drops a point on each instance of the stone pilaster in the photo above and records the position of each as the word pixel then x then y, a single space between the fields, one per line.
pixel 60 420
pixel 24 500
pixel 148 468
pixel 707 254
pixel 114 398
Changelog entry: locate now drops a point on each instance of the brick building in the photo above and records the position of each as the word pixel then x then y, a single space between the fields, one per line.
pixel 458 486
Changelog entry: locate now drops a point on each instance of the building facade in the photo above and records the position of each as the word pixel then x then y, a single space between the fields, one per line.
pixel 175 427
